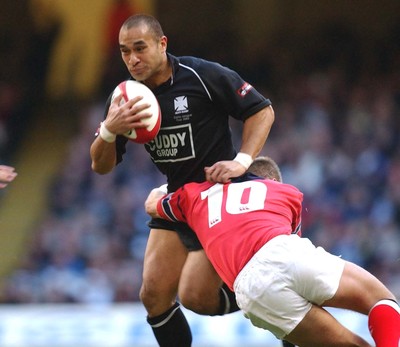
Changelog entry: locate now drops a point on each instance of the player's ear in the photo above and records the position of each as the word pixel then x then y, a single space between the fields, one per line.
pixel 163 43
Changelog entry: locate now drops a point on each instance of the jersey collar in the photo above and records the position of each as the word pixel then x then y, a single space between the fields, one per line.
pixel 247 176
pixel 175 66
pixel 167 84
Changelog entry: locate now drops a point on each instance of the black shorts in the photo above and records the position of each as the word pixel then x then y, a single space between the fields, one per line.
pixel 187 235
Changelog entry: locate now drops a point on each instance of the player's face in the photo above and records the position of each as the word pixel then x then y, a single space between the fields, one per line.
pixel 142 53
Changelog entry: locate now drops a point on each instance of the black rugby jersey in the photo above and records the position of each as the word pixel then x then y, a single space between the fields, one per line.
pixel 196 104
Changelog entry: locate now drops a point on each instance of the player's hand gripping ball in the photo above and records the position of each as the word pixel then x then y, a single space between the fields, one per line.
pixel 131 89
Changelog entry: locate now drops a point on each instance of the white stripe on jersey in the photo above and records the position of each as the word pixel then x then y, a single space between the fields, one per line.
pixel 197 75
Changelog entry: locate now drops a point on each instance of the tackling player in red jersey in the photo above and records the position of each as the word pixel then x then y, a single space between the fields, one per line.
pixel 249 230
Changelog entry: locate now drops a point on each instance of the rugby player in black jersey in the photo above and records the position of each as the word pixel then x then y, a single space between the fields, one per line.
pixel 197 99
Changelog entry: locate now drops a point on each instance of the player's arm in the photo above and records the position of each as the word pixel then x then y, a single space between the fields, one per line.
pixel 103 154
pixel 119 120
pixel 255 132
pixel 170 206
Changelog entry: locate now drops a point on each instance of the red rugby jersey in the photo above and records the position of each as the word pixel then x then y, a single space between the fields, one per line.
pixel 233 221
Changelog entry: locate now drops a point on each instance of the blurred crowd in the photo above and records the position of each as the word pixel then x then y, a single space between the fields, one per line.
pixel 336 136
pixel 340 147
pixel 90 245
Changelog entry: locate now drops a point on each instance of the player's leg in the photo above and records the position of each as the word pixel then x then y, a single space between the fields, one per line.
pixel 327 280
pixel 384 323
pixel 201 289
pixel 320 329
pixel 277 286
pixel 199 284
pixel 163 262
pixel 360 291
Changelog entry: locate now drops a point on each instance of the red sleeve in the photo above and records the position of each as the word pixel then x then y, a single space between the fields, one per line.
pixel 170 206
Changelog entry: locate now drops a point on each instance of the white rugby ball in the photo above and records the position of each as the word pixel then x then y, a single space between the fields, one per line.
pixel 130 89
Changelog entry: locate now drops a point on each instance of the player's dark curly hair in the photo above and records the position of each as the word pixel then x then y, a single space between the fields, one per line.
pixel 153 24
pixel 266 167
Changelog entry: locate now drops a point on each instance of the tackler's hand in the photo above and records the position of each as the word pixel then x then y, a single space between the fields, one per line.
pixel 223 171
pixel 151 202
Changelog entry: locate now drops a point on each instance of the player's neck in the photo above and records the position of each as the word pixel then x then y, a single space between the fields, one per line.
pixel 162 76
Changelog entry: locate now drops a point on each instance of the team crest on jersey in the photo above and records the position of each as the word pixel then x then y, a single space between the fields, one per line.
pixel 244 89
pixel 181 104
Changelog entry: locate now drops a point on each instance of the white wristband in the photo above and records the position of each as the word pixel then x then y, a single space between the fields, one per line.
pixel 244 159
pixel 106 134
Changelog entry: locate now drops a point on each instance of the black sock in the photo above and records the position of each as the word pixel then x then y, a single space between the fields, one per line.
pixel 227 303
pixel 171 328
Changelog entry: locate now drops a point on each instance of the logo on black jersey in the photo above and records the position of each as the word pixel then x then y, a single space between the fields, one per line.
pixel 244 89
pixel 172 144
pixel 181 104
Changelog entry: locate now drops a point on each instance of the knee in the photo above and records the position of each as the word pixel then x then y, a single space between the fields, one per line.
pixel 199 301
pixel 157 297
pixel 193 301
pixel 148 294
